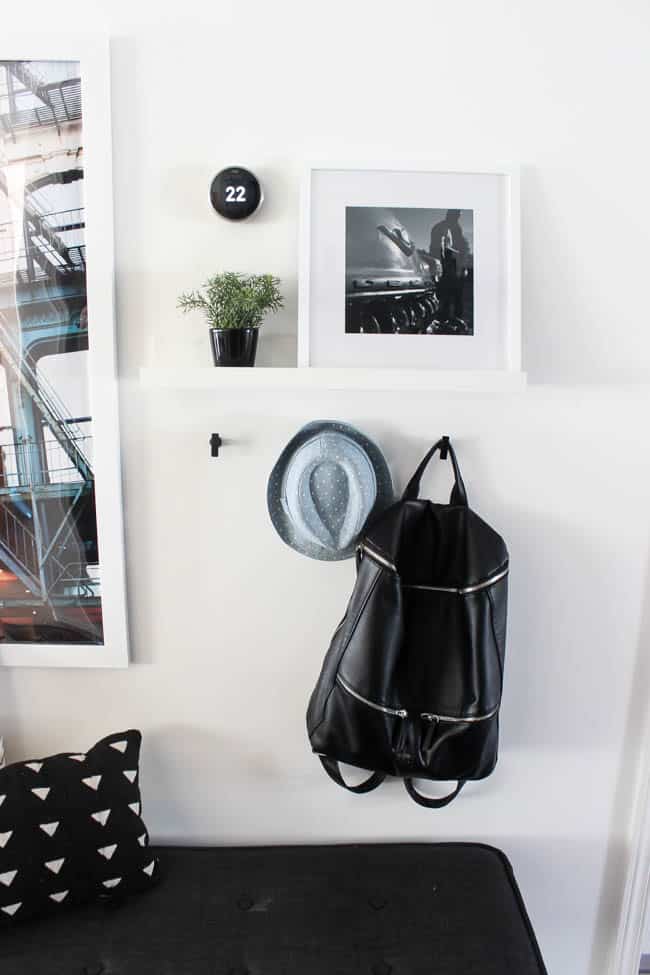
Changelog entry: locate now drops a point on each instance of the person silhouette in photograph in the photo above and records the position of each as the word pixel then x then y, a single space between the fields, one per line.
pixel 450 246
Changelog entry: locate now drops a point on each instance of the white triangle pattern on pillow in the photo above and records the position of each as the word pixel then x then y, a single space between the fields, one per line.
pixel 49 828
pixel 92 781
pixel 55 865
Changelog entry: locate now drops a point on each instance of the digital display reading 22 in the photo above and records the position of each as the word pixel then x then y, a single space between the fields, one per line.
pixel 235 193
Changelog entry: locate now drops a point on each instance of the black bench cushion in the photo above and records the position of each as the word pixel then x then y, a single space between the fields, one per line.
pixel 385 909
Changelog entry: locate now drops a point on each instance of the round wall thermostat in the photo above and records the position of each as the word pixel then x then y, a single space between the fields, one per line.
pixel 235 193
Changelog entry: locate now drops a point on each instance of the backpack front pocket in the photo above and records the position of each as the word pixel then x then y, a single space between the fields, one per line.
pixel 458 748
pixel 452 661
pixel 359 731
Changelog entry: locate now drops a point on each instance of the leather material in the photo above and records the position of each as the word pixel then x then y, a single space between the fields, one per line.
pixel 334 772
pixel 439 909
pixel 407 645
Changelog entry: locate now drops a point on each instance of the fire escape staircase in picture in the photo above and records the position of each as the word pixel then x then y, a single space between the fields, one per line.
pixel 18 550
pixel 21 549
pixel 47 518
pixel 64 261
pixel 60 100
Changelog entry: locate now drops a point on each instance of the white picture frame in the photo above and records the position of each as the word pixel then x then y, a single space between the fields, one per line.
pixel 634 902
pixel 93 55
pixel 322 269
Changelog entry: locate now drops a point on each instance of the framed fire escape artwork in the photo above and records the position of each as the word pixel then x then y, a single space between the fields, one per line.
pixel 62 583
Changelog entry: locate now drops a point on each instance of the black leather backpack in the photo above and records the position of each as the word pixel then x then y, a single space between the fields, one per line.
pixel 411 684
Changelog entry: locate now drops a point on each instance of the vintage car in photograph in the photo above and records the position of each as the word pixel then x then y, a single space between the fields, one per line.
pixel 392 286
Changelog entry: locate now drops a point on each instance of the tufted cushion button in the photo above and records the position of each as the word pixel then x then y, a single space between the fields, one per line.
pixel 245 902
pixel 377 901
pixel 381 968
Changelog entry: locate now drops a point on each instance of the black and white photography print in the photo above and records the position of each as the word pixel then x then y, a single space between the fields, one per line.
pixel 409 271
pixel 50 590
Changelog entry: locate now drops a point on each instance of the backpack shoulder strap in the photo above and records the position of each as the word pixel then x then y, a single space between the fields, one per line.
pixel 331 766
pixel 429 801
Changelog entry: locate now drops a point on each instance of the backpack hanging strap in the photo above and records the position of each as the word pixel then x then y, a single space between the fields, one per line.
pixel 458 493
pixel 429 801
pixel 331 766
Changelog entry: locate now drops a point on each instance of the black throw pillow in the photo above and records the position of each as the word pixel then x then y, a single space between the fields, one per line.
pixel 70 829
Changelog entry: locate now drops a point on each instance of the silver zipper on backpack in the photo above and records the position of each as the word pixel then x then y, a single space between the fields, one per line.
pixel 365 549
pixel 402 713
pixel 394 712
pixel 465 591
pixel 435 718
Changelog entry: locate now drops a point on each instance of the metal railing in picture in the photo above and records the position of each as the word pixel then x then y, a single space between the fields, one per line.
pixel 45 249
pixel 24 464
pixel 20 541
pixel 71 583
pixel 67 432
pixel 76 581
pixel 29 102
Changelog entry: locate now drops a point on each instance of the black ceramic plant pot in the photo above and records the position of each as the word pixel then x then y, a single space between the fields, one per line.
pixel 234 346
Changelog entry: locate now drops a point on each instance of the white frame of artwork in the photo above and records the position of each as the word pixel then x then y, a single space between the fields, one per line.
pixel 635 899
pixel 93 53
pixel 511 364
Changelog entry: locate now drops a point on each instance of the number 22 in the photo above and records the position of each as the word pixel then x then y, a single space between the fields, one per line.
pixel 235 194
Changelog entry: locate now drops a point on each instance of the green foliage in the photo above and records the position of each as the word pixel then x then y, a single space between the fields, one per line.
pixel 234 300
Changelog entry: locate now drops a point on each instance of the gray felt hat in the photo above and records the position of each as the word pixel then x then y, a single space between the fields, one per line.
pixel 327 482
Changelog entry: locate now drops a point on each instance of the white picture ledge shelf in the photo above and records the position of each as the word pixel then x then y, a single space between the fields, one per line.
pixel 260 377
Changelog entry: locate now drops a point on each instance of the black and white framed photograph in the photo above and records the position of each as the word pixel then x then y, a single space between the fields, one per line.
pixel 62 591
pixel 409 271
pixel 396 255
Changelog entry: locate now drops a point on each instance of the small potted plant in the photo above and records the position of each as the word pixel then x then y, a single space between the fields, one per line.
pixel 235 305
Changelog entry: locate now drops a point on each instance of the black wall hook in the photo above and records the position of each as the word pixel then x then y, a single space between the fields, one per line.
pixel 444 448
pixel 215 443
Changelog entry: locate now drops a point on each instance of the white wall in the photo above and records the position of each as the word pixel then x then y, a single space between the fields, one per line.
pixel 229 626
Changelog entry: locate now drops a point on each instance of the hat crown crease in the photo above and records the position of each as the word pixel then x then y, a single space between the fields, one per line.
pixel 324 486
pixel 303 495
